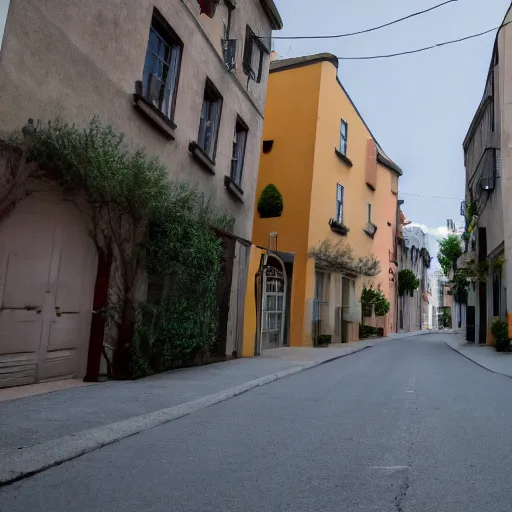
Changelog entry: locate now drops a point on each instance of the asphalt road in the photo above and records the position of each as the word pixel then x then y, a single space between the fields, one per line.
pixel 408 425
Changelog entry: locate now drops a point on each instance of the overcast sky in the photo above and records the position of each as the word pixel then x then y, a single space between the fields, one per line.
pixel 419 107
pixel 4 4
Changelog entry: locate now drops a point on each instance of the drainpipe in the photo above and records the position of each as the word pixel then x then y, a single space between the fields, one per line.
pixel 399 203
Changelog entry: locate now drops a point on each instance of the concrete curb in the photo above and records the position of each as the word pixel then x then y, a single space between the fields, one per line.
pixel 477 363
pixel 22 463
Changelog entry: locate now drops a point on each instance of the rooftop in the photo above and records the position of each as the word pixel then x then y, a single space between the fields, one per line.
pixel 308 60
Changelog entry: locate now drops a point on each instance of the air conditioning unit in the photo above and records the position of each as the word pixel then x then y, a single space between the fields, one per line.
pixel 488 184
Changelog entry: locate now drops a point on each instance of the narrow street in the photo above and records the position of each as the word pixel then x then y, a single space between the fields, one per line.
pixel 408 425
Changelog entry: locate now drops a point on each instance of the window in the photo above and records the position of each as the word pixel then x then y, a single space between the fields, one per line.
pixel 162 66
pixel 254 52
pixel 237 159
pixel 210 119
pixel 343 137
pixel 339 203
pixel 368 213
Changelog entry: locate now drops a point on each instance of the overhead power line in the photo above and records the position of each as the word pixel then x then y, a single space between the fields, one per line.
pixel 350 34
pixel 424 49
pixel 430 197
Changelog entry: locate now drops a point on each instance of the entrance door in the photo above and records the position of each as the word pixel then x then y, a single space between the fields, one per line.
pixel 274 290
pixel 47 272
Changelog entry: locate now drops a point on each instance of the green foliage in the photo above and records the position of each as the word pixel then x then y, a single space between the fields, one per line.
pixel 450 251
pixel 340 257
pixel 323 339
pixel 376 298
pixel 270 203
pixel 407 282
pixel 446 318
pixel 366 331
pixel 499 330
pixel 460 287
pixel 153 225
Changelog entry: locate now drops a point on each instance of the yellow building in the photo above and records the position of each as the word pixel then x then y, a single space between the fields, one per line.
pixel 338 187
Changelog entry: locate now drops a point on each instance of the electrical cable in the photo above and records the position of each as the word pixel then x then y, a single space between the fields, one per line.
pixel 350 34
pixel 418 50
pixel 430 197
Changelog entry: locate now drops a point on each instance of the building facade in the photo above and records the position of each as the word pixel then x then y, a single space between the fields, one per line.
pixel 184 79
pixel 487 207
pixel 339 190
pixel 414 255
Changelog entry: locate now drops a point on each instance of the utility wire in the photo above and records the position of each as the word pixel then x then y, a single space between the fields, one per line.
pixel 338 36
pixel 424 49
pixel 430 197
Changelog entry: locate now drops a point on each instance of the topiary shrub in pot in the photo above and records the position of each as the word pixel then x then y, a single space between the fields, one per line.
pixel 270 203
pixel 500 332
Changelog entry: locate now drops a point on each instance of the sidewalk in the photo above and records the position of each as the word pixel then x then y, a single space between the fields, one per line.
pixel 487 357
pixel 41 431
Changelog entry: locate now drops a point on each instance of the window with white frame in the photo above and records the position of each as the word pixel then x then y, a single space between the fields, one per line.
pixel 237 159
pixel 339 203
pixel 162 66
pixel 210 120
pixel 343 137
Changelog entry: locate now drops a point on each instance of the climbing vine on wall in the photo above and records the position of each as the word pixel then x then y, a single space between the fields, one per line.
pixel 151 225
pixel 340 257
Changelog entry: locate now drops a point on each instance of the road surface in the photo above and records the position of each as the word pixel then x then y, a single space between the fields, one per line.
pixel 408 425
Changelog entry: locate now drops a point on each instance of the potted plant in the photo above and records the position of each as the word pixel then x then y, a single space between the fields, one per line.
pixel 500 332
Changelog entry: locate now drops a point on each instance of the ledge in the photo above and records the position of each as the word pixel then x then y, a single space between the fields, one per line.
pixel 370 186
pixel 343 158
pixel 154 116
pixel 234 189
pixel 370 229
pixel 338 227
pixel 201 157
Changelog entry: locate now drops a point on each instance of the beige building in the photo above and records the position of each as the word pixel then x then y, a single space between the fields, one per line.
pixel 190 87
pixel 488 189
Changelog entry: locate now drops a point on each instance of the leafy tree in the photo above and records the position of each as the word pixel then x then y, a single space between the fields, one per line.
pixel 407 282
pixel 449 252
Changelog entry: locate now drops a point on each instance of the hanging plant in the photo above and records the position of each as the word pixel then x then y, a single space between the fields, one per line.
pixel 340 257
pixel 407 282
pixel 270 203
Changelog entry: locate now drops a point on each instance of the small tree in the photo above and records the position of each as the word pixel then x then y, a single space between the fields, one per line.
pixel 270 203
pixel 450 251
pixel 407 282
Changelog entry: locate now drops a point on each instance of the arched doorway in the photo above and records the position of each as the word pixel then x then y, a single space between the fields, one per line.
pixel 47 274
pixel 273 303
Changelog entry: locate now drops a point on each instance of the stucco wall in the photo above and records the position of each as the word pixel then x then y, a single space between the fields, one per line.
pixel 334 105
pixel 76 59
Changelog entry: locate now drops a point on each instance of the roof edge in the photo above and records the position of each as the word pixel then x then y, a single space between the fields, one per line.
pixel 271 11
pixel 386 162
pixel 308 60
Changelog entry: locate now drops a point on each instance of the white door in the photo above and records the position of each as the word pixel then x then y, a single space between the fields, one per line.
pixel 273 310
pixel 47 274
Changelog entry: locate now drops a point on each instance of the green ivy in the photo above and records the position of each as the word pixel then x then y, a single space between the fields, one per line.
pixel 270 203
pixel 407 282
pixel 154 226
